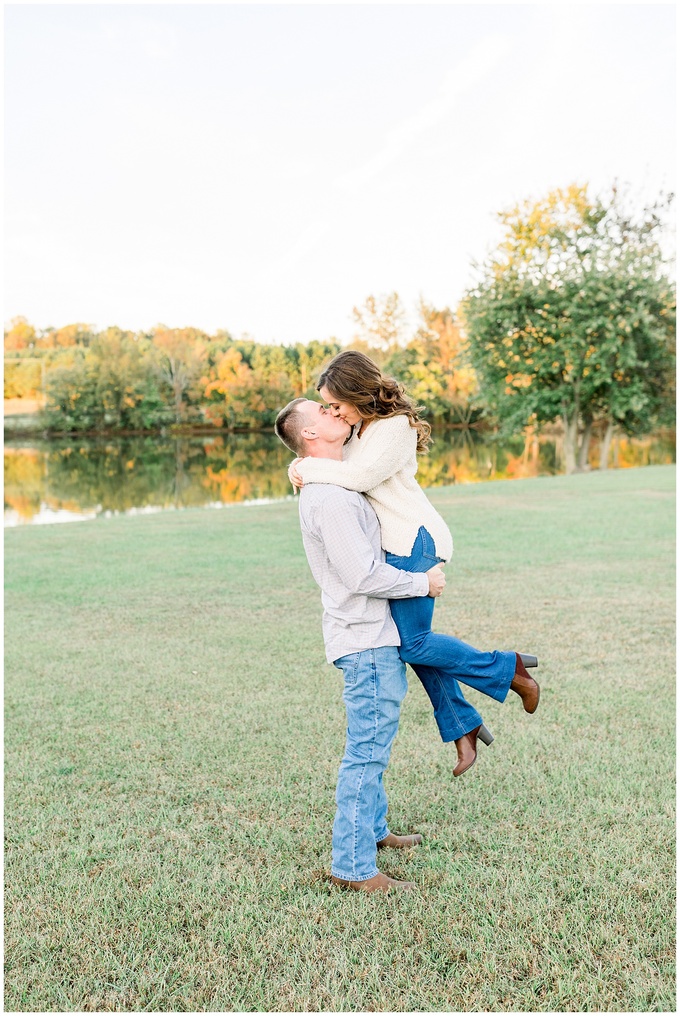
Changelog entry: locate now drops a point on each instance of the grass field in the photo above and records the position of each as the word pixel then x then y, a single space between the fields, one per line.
pixel 172 742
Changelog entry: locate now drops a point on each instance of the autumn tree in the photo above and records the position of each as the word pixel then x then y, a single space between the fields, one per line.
pixel 380 326
pixel 181 355
pixel 24 374
pixel 24 378
pixel 19 336
pixel 66 337
pixel 573 318
pixel 227 393
pixel 435 367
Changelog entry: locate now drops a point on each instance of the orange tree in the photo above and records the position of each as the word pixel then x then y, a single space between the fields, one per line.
pixel 435 368
pixel 573 318
pixel 180 356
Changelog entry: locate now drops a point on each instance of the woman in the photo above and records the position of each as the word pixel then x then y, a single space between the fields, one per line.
pixel 380 460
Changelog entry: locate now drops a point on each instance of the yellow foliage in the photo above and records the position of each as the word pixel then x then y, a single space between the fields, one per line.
pixel 534 225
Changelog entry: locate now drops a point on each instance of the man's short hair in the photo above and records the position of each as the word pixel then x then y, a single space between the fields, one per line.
pixel 289 424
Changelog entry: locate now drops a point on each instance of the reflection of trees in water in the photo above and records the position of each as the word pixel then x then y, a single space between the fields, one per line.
pixel 181 477
pixel 247 466
pixel 24 480
pixel 117 475
pixel 168 471
pixel 465 456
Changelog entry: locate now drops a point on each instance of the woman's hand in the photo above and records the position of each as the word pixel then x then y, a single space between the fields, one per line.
pixel 294 476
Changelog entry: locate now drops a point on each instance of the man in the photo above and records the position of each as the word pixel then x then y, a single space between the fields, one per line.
pixel 341 537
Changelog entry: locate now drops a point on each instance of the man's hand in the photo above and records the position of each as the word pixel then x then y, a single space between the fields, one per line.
pixel 437 580
pixel 294 476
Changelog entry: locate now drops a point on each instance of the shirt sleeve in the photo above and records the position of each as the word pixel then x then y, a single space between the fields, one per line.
pixel 349 551
pixel 372 463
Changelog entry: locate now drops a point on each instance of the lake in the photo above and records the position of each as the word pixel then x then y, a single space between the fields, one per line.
pixel 71 479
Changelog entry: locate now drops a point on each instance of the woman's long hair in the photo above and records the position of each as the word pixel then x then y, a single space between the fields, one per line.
pixel 352 377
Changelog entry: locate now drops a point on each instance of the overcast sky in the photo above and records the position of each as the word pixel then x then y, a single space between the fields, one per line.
pixel 263 168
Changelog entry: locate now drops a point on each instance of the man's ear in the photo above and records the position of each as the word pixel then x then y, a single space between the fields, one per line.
pixel 308 434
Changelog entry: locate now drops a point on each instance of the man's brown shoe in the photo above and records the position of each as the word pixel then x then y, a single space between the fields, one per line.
pixel 392 840
pixel 525 686
pixel 379 883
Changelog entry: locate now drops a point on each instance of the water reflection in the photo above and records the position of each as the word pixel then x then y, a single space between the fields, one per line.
pixel 65 480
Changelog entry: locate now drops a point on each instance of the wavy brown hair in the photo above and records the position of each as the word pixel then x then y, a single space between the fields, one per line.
pixel 353 377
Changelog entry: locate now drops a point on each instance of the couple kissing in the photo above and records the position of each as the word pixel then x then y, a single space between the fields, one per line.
pixel 375 546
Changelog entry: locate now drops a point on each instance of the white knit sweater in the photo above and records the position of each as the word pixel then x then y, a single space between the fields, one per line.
pixel 382 464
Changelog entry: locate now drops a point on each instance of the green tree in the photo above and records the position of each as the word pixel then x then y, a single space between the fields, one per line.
pixel 113 385
pixel 306 362
pixel 573 318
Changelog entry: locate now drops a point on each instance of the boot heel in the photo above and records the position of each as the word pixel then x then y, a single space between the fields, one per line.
pixel 527 660
pixel 485 735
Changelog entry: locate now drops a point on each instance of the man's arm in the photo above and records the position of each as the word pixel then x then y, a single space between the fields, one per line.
pixel 392 447
pixel 351 554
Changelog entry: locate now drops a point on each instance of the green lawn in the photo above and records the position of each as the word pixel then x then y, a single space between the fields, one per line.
pixel 172 742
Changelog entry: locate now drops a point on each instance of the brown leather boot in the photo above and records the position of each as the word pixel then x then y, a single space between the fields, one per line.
pixel 392 840
pixel 466 746
pixel 379 883
pixel 523 683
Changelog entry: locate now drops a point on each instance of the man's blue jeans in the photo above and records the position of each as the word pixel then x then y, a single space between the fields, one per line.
pixel 375 686
pixel 441 661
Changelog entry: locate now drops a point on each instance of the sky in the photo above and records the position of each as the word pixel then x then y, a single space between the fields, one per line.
pixel 264 168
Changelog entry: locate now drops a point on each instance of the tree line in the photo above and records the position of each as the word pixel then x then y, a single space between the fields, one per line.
pixel 571 320
pixel 122 380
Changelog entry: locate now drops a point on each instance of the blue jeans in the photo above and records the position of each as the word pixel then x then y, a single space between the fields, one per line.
pixel 375 686
pixel 441 661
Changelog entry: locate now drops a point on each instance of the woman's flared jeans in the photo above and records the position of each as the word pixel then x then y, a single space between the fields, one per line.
pixel 441 661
